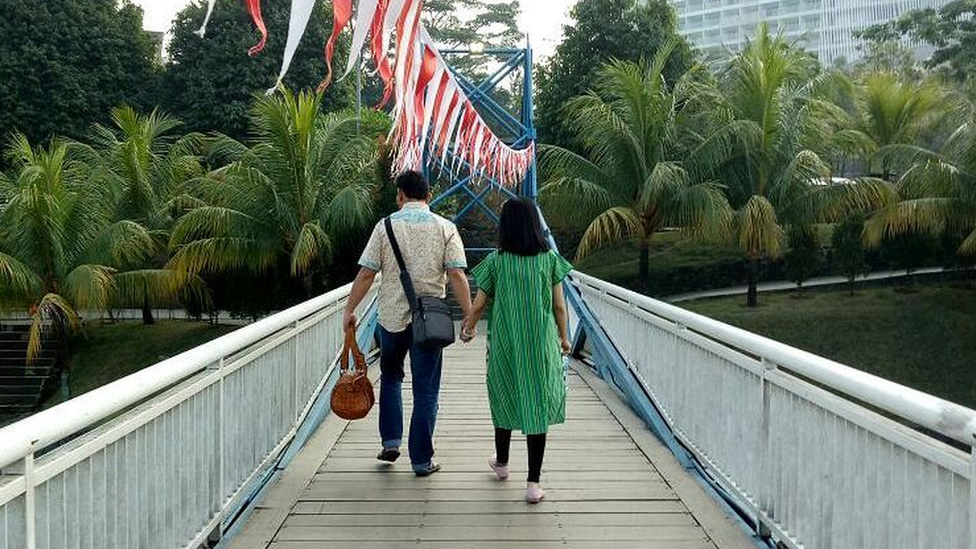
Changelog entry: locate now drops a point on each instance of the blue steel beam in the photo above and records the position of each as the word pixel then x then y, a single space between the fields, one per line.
pixel 476 200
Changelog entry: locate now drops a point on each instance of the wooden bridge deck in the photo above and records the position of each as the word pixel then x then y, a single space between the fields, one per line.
pixel 609 483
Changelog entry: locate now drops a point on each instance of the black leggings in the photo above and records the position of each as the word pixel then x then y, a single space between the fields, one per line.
pixel 537 450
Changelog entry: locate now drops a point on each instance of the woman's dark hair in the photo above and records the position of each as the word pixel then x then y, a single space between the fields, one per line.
pixel 520 231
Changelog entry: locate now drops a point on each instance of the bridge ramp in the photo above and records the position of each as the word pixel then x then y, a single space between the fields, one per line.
pixel 609 483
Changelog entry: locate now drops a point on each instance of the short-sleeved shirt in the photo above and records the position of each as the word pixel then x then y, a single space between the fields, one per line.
pixel 430 246
pixel 526 390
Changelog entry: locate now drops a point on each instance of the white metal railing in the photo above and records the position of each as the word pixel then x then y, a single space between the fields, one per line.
pixel 184 442
pixel 787 433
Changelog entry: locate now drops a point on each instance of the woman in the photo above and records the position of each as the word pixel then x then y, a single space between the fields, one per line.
pixel 526 337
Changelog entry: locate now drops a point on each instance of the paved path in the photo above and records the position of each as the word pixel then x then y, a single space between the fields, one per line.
pixel 783 285
pixel 609 482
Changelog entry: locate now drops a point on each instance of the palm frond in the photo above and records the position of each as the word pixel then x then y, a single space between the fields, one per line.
pixel 312 246
pixel 610 227
pixel 17 280
pixel 919 216
pixel 51 312
pixel 759 232
pixel 89 286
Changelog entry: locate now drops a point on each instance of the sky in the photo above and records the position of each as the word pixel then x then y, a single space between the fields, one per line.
pixel 543 19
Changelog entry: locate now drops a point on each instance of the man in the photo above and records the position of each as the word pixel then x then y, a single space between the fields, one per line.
pixel 433 254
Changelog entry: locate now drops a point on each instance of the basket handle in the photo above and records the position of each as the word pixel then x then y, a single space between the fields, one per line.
pixel 351 349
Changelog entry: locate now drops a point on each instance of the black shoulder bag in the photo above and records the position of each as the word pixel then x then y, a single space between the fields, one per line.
pixel 432 323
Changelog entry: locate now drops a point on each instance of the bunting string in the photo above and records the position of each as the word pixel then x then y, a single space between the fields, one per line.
pixel 433 118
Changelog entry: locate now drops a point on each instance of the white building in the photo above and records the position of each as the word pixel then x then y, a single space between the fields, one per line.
pixel 823 26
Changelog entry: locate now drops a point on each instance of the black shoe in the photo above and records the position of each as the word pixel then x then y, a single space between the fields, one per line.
pixel 389 455
pixel 430 470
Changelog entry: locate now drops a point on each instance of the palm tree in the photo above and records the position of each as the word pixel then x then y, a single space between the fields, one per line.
pixel 780 180
pixel 147 169
pixel 60 249
pixel 634 180
pixel 148 166
pixel 893 111
pixel 307 180
pixel 937 191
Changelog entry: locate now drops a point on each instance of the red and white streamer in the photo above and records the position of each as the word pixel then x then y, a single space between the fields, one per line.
pixel 433 119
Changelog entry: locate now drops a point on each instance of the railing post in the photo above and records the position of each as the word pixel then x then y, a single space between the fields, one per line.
pixel 764 502
pixel 972 494
pixel 221 453
pixel 294 359
pixel 30 520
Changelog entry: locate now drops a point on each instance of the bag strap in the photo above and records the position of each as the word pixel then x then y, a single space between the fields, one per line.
pixel 405 279
pixel 351 349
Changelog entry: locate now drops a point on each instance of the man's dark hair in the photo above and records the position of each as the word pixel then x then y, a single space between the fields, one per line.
pixel 520 231
pixel 413 184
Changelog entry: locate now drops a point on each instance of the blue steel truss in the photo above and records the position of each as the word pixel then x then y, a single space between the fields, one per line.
pixel 518 131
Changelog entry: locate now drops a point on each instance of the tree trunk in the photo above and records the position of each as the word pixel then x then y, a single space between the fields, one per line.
pixel 752 293
pixel 645 259
pixel 147 315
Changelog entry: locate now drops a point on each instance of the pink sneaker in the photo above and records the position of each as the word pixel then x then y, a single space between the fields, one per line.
pixel 501 471
pixel 534 493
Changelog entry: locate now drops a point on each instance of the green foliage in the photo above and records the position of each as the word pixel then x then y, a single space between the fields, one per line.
pixel 211 82
pixel 803 258
pixel 894 111
pixel 785 129
pixel 951 29
pixel 307 182
pixel 921 339
pixel 62 249
pixel 132 347
pixel 64 64
pixel 889 56
pixel 936 194
pixel 633 182
pixel 602 30
pixel 147 165
pixel 848 250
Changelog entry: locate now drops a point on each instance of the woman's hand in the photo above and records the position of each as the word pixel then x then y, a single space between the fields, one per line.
pixel 468 334
pixel 566 346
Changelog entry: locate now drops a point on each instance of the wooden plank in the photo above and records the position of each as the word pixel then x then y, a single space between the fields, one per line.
pixel 588 519
pixel 721 529
pixel 483 508
pixel 637 492
pixel 450 477
pixel 542 532
pixel 416 544
pixel 601 489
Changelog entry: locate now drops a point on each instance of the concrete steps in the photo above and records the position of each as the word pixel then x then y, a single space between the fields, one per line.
pixel 24 385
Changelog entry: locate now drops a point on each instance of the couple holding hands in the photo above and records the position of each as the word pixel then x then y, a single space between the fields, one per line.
pixel 527 334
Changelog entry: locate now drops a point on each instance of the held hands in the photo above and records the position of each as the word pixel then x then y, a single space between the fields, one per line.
pixel 468 330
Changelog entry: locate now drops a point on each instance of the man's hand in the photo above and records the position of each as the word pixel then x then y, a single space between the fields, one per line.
pixel 349 321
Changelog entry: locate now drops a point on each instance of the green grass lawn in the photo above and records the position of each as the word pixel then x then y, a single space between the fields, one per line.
pixel 669 251
pixel 922 336
pixel 106 352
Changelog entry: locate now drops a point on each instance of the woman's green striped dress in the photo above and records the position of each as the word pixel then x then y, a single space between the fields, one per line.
pixel 526 390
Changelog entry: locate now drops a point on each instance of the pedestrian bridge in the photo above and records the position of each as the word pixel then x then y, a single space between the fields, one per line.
pixel 682 432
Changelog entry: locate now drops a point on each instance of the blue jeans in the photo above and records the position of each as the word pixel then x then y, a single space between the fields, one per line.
pixel 425 370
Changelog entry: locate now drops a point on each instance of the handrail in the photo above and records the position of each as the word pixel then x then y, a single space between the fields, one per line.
pixel 31 434
pixel 946 418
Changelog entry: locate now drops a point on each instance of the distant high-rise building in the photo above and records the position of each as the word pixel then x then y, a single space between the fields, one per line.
pixel 823 26
pixel 158 39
